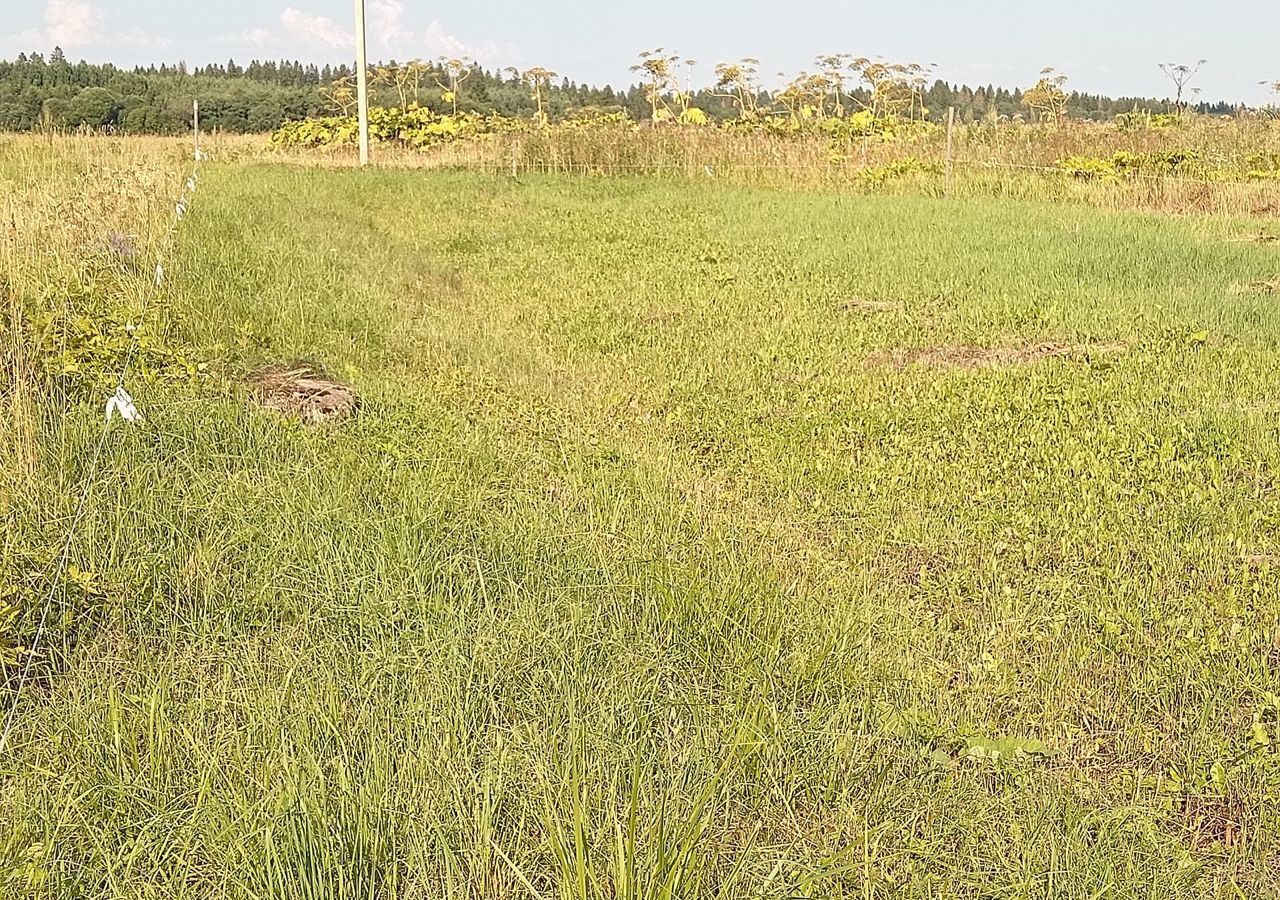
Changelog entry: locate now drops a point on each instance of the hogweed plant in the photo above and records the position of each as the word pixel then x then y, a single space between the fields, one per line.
pixel 656 67
pixel 538 80
pixel 1047 99
pixel 455 71
pixel 739 82
pixel 1181 75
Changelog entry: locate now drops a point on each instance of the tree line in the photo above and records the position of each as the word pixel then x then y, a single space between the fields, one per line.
pixel 52 92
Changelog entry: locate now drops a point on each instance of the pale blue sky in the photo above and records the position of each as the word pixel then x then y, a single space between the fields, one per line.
pixel 1106 47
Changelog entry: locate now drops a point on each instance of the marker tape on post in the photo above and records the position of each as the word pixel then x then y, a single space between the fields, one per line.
pixel 159 274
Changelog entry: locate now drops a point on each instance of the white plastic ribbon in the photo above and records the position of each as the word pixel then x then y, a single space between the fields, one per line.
pixel 159 274
pixel 121 404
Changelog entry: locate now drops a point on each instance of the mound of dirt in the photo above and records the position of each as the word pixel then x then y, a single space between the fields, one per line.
pixel 304 392
pixel 970 357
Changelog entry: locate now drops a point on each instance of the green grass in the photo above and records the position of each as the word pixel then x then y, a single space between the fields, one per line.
pixel 642 574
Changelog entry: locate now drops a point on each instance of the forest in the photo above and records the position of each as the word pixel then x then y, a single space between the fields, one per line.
pixel 38 91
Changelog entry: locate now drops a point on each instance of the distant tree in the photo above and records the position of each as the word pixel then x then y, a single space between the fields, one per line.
pixel 37 92
pixel 94 106
pixel 265 115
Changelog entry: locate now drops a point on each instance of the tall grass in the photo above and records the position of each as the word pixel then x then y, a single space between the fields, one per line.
pixel 1004 160
pixel 66 201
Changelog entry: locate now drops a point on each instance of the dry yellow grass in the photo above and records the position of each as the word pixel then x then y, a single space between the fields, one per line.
pixel 62 198
pixel 1016 161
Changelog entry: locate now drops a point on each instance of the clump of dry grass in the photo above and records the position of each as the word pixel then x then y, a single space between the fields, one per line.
pixel 302 391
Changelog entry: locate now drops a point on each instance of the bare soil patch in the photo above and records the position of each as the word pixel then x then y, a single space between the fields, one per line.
pixel 302 391
pixel 970 357
pixel 1213 821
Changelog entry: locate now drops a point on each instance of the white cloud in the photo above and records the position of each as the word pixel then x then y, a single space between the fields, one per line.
pixel 390 36
pixel 386 23
pixel 259 37
pixel 439 42
pixel 442 43
pixel 67 24
pixel 986 68
pixel 389 33
pixel 140 38
pixel 315 29
pixel 74 24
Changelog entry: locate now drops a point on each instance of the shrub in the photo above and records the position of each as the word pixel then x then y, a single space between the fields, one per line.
pixel 1088 168
pixel 878 175
pixel 1124 163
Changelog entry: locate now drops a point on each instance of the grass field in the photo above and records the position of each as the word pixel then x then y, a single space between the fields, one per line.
pixel 691 540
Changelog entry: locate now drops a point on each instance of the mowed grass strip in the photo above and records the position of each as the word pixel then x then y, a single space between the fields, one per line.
pixel 638 574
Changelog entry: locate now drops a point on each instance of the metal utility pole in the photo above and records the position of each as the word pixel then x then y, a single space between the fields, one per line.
pixel 362 84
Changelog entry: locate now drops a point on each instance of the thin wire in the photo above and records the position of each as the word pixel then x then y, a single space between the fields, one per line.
pixel 180 212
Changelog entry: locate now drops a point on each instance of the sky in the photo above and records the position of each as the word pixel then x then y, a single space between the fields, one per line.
pixel 1105 46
